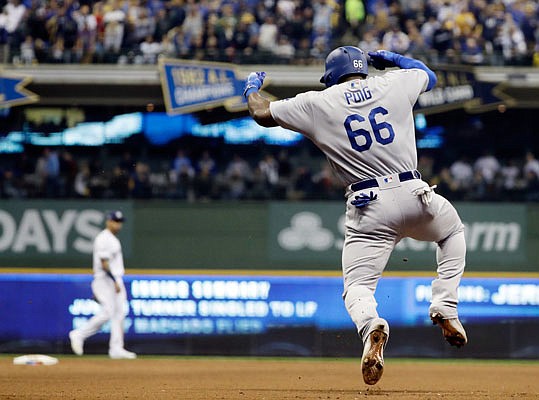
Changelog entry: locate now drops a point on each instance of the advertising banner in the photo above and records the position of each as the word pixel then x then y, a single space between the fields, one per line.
pixel 57 229
pixel 48 306
pixel 314 232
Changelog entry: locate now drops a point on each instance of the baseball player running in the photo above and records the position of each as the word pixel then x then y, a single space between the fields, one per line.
pixel 364 125
pixel 108 289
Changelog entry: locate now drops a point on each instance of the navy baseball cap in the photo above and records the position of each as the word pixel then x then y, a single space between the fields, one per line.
pixel 117 216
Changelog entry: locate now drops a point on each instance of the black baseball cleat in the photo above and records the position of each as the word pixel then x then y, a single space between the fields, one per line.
pixel 372 361
pixel 452 329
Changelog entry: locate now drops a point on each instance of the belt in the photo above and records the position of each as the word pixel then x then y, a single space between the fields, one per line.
pixel 370 183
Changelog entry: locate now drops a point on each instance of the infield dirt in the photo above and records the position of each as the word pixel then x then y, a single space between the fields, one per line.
pixel 184 378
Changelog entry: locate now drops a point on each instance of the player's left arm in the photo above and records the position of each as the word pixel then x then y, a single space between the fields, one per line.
pixel 259 106
pixel 383 58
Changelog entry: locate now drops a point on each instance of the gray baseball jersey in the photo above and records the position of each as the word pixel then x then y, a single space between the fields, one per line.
pixel 366 129
pixel 376 135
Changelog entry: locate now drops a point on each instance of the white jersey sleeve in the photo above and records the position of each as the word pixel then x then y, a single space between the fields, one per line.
pixel 365 127
pixel 107 247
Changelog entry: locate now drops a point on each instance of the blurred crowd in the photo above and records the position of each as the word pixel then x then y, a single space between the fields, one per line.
pixel 492 32
pixel 266 175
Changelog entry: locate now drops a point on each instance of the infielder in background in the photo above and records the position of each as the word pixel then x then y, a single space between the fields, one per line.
pixel 365 127
pixel 108 289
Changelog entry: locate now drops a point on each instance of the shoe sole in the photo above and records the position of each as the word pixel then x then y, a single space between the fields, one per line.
pixel 372 366
pixel 74 348
pixel 453 336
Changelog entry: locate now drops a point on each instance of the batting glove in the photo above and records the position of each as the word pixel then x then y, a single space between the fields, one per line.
pixel 383 59
pixel 254 82
pixel 364 199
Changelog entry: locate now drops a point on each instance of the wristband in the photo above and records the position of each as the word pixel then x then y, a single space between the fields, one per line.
pixel 249 90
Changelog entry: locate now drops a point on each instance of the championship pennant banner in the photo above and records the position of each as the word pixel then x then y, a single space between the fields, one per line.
pixel 459 87
pixel 190 86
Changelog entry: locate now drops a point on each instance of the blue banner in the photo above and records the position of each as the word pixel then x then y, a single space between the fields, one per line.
pixel 190 86
pixel 47 306
pixel 13 92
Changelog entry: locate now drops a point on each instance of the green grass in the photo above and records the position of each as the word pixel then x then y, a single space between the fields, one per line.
pixel 303 359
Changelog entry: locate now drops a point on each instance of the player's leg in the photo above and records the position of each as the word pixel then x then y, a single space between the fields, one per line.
pixel 365 254
pixel 363 263
pixel 116 342
pixel 103 290
pixel 439 222
pixel 450 256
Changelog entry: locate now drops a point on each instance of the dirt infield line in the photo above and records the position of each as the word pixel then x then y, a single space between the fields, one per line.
pixel 208 378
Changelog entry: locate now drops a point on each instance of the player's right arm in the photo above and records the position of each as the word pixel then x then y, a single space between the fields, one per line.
pixel 259 106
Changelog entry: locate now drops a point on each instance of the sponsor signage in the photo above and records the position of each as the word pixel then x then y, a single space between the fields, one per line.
pixel 185 305
pixel 57 228
pixel 313 232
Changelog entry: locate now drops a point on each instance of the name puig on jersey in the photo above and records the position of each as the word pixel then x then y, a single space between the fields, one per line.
pixel 357 95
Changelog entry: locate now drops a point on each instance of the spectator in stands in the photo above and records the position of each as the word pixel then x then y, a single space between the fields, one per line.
pixel 442 41
pixel 140 186
pixel 511 39
pixel 68 173
pixel 243 41
pixel 417 46
pixel 504 31
pixel 119 183
pixel 149 50
pixel 326 185
pixel 63 29
pixel 204 183
pixel 446 185
pixel 486 170
pixel 10 186
pixel 267 36
pixel 531 176
pixel 48 173
pixel 87 34
pixel 193 24
pixel 487 166
pixel 323 14
pixel 27 51
pixel 114 20
pixel 269 171
pixel 284 50
pixel 182 162
pixel 369 41
pixel 207 163
pixel 509 177
pixel 238 176
pixel 14 12
pixel 301 185
pixel 354 14
pixel 428 28
pixel 396 40
pixel 461 172
pixel 472 52
pixel 142 25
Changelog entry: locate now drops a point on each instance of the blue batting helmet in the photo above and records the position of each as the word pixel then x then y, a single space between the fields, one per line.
pixel 344 61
